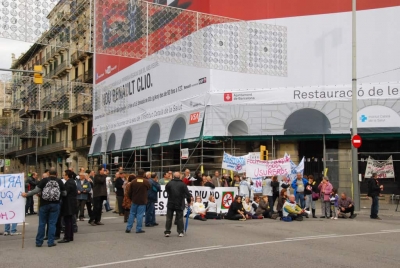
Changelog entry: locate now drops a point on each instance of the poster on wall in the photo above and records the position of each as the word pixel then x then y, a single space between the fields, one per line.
pixel 234 163
pixel 383 169
pixel 224 196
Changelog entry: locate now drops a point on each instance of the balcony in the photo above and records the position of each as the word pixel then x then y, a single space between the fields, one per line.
pixel 82 55
pixel 16 105
pixel 62 69
pixel 78 79
pixel 12 149
pixel 59 120
pixel 74 58
pixel 62 146
pixel 23 113
pixel 27 151
pixel 61 46
pixel 88 77
pixel 82 143
pixel 47 101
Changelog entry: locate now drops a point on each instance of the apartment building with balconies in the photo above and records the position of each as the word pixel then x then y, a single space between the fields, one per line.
pixel 52 122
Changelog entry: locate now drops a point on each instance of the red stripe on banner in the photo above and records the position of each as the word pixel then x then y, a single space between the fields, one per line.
pixel 267 9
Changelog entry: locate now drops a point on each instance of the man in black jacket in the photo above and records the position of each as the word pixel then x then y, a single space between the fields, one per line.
pixel 177 193
pixel 32 182
pixel 99 196
pixel 374 190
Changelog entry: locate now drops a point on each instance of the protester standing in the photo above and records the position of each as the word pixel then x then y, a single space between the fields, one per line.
pixel 138 192
pixel 51 190
pixel 177 193
pixel 119 183
pixel 374 190
pixel 152 199
pixel 68 206
pixel 99 196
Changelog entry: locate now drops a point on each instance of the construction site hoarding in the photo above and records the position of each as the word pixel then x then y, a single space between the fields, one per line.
pixel 266 72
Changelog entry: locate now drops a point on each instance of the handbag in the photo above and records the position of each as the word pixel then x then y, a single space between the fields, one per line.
pixel 315 196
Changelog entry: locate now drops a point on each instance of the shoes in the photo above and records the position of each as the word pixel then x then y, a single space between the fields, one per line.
pixel 322 217
pixel 92 223
pixel 260 217
pixel 38 246
pixel 99 223
pixel 274 216
pixel 166 235
pixel 149 225
pixel 353 216
pixel 242 219
pixel 127 231
pixel 63 241
pixel 52 245
pixel 121 214
pixel 203 219
pixel 81 219
pixel 140 232
pixel 331 218
pixel 335 218
pixel 377 218
pixel 180 235
pixel 6 234
pixel 113 211
pixel 155 224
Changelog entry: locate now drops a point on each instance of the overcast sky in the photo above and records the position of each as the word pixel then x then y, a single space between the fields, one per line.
pixel 8 46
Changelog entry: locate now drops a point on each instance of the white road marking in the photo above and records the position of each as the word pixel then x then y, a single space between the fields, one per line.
pixel 308 237
pixel 234 246
pixel 20 224
pixel 191 249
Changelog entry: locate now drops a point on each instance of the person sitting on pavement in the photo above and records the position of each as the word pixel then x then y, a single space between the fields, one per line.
pixel 199 210
pixel 212 209
pixel 281 201
pixel 236 211
pixel 264 209
pixel 346 205
pixel 292 211
pixel 250 211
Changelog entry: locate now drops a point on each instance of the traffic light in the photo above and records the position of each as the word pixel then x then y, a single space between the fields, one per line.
pixel 263 152
pixel 37 76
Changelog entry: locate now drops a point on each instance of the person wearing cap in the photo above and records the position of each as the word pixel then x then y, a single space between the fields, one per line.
pixel 374 190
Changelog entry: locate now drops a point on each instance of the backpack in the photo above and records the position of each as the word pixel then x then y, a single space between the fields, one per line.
pixel 51 192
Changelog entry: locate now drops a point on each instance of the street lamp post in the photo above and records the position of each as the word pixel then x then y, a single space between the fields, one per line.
pixel 354 151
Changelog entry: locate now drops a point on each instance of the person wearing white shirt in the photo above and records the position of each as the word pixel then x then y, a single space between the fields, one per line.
pixel 199 210
pixel 212 209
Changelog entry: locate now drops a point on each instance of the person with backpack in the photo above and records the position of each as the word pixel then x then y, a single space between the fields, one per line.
pixel 51 189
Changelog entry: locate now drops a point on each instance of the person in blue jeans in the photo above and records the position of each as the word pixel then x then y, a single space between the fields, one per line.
pixel 374 190
pixel 152 199
pixel 137 192
pixel 13 231
pixel 299 185
pixel 51 189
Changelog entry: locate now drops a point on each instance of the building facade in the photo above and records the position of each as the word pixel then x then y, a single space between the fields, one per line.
pixel 52 123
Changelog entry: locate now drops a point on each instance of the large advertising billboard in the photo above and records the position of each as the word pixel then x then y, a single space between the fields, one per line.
pixel 281 72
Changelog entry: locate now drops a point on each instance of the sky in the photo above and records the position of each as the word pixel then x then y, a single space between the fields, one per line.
pixel 8 46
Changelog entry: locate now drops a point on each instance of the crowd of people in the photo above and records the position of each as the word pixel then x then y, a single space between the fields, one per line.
pixel 62 202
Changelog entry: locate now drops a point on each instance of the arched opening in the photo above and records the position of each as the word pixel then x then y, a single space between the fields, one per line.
pixel 307 121
pixel 238 128
pixel 126 139
pixel 111 143
pixel 97 145
pixel 153 136
pixel 178 130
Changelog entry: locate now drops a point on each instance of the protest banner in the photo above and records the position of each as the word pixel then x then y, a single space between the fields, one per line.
pixel 267 168
pixel 234 163
pixel 257 185
pixel 383 169
pixel 295 169
pixel 12 204
pixel 224 197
